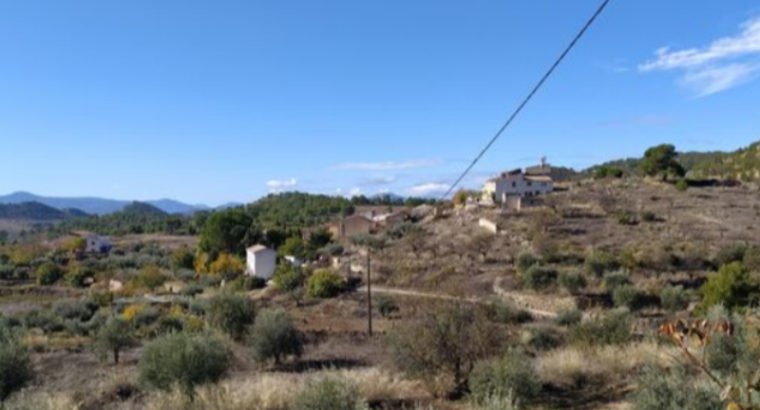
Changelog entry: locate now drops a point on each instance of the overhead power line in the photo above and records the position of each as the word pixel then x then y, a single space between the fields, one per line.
pixel 530 95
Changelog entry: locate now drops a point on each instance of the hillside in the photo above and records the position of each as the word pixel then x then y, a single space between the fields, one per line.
pixel 297 209
pixel 96 206
pixel 35 211
pixel 742 165
pixel 689 160
pixel 136 217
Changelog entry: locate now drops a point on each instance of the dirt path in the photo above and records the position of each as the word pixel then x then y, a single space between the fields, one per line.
pixel 520 302
pixel 548 306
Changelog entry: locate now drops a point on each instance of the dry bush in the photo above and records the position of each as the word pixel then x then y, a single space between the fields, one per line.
pixel 39 400
pixel 275 391
pixel 572 365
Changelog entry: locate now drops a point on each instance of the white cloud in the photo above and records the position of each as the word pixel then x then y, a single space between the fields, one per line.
pixel 387 165
pixel 716 79
pixel 430 188
pixel 276 185
pixel 356 191
pixel 723 64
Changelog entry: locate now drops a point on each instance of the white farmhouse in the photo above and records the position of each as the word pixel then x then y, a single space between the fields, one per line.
pixel 260 261
pixel 516 183
pixel 96 243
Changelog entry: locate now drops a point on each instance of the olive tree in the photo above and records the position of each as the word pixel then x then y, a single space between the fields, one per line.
pixel 113 337
pixel 274 336
pixel 185 360
pixel 446 341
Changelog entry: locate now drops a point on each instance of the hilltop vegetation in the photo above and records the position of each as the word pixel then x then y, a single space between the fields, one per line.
pixel 741 165
pixel 296 210
pixel 632 166
pixel 135 218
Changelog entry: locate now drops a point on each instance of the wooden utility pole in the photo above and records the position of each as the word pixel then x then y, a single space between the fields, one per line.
pixel 369 295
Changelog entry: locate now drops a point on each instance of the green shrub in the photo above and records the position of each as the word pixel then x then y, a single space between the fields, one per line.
pixel 608 171
pixel 512 375
pixel 170 324
pixel 722 353
pixel 78 310
pixel 614 280
pixel 542 338
pixel 648 216
pixel 15 364
pixel 184 359
pixel 192 290
pixel 183 258
pixel 231 313
pixel 568 317
pixel 150 277
pixel 46 320
pixel 674 389
pixel 146 317
pixel 751 259
pixel 288 277
pixel 501 311
pixel 246 283
pixel 572 282
pixel 614 327
pixel 386 306
pixel 329 394
pixel 627 218
pixel 525 261
pixel 537 277
pixel 113 337
pixel 599 262
pixel 674 298
pixel 730 253
pixel 628 296
pixel 77 276
pixel 325 283
pixel 731 287
pixel 682 185
pixel 48 273
pixel 274 336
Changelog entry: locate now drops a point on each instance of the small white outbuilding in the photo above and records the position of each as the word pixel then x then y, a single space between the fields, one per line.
pixel 260 261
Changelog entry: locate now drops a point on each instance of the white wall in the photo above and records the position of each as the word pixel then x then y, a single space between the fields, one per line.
pixel 262 263
pixel 516 186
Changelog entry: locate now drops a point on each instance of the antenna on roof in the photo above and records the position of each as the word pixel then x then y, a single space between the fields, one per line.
pixel 543 161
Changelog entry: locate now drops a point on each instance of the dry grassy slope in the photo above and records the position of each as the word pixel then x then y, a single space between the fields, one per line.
pixel 584 217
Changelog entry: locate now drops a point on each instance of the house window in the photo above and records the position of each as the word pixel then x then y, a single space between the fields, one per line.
pixel 530 183
pixel 514 184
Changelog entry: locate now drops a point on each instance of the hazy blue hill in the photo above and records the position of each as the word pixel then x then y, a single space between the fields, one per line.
pixel 35 211
pixel 97 206
pixel 141 209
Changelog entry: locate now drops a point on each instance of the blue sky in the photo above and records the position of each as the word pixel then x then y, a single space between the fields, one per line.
pixel 227 100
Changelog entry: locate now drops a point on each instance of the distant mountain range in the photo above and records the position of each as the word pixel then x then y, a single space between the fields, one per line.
pixel 98 206
pixel 35 211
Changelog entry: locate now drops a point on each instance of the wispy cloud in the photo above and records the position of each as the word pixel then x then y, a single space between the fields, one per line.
pixel 724 63
pixel 378 180
pixel 427 189
pixel 387 165
pixel 716 79
pixel 276 185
